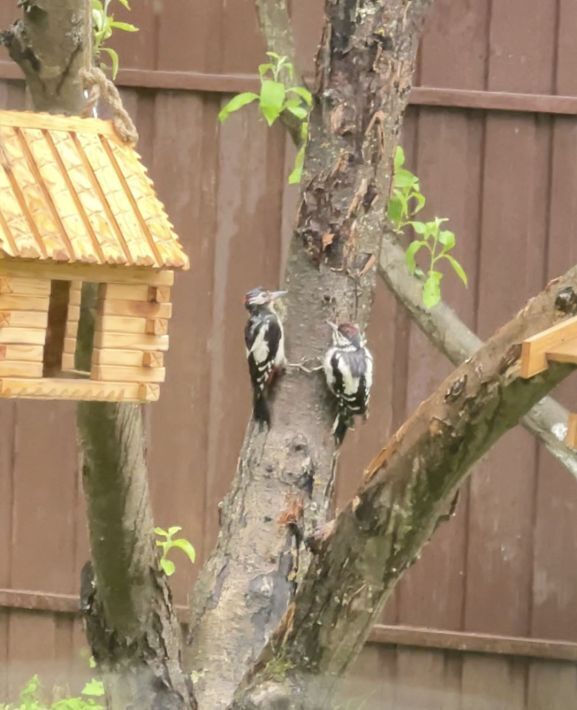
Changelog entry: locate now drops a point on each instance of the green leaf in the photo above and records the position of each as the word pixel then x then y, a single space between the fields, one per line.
pixel 94 688
pixel 405 178
pixel 173 530
pixel 395 210
pixel 304 94
pixel 447 238
pixel 264 68
pixel 419 227
pixel 458 269
pixel 432 289
pixel 420 200
pixel 113 54
pixel 97 17
pixel 236 103
pixel 124 26
pixel 299 112
pixel 125 4
pixel 160 531
pixel 168 567
pixel 272 95
pixel 186 547
pixel 297 172
pixel 30 691
pixel 399 157
pixel 411 253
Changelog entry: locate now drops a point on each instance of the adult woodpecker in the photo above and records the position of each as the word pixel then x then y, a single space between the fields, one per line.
pixel 348 367
pixel 264 340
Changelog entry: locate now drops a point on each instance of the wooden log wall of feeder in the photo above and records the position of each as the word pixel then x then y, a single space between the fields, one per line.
pixel 556 344
pixel 76 205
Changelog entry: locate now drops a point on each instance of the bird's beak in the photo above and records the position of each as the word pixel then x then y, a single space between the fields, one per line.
pixel 277 294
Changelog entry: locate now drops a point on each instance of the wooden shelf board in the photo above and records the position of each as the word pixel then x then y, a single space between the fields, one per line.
pixel 564 352
pixel 536 350
pixel 78 389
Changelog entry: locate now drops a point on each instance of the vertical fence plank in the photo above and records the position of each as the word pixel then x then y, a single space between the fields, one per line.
pixel 178 454
pixel 552 686
pixel 248 254
pixel 493 684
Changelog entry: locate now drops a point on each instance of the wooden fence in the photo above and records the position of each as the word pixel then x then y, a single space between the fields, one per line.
pixel 488 617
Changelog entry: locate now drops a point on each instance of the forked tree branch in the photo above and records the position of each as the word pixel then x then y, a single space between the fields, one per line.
pixel 547 420
pixel 364 74
pixel 408 489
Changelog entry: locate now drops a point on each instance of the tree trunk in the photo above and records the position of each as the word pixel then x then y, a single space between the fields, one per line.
pixel 284 479
pixel 409 489
pixel 130 620
pixel 131 625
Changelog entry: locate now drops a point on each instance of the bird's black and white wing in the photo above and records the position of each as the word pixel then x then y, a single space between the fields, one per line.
pixel 264 343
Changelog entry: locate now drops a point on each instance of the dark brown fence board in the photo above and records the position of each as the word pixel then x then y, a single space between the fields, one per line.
pixel 565 75
pixel 454 48
pixel 523 59
pixel 492 684
pixel 420 680
pixel 551 686
pixel 555 581
pixel 31 648
pixel 307 18
pixel 433 589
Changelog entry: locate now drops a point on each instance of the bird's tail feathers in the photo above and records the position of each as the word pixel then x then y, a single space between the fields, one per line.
pixel 340 426
pixel 260 408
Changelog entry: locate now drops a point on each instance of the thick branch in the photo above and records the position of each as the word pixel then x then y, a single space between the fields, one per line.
pixel 275 26
pixel 408 490
pixel 130 620
pixel 49 45
pixel 547 419
pixel 364 72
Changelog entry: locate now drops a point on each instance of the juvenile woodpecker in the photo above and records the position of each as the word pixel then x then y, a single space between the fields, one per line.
pixel 348 367
pixel 264 340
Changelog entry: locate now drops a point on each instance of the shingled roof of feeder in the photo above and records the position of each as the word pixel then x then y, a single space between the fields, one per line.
pixel 72 192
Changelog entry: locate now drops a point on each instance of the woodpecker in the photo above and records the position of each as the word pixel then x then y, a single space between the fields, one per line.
pixel 348 367
pixel 264 340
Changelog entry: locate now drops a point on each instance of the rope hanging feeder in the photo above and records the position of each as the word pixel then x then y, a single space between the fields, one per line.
pixel 100 87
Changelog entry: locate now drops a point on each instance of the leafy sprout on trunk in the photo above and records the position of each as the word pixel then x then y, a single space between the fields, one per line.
pixel 167 543
pixel 104 24
pixel 277 97
pixel 406 201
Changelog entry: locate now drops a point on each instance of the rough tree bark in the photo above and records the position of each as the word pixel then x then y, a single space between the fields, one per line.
pixel 364 72
pixel 49 44
pixel 547 420
pixel 131 625
pixel 409 488
pixel 130 620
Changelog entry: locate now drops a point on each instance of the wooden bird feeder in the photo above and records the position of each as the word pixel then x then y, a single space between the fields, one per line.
pixel 76 205
pixel 556 344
